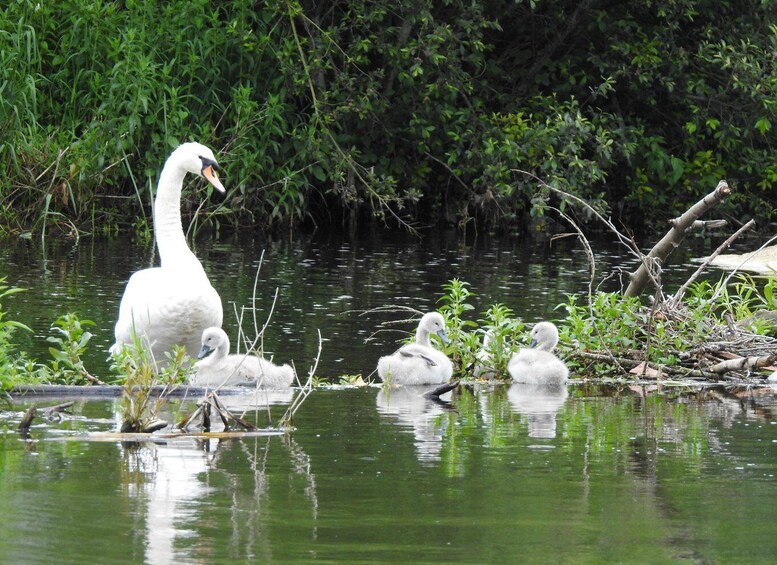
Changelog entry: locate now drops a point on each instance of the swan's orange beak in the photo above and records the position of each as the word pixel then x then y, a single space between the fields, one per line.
pixel 210 173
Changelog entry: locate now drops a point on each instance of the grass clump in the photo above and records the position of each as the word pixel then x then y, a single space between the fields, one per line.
pixel 144 384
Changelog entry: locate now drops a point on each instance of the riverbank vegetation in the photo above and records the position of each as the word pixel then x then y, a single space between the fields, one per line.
pixel 417 113
pixel 718 331
pixel 723 330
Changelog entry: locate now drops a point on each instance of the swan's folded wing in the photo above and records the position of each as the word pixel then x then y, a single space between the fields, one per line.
pixel 418 352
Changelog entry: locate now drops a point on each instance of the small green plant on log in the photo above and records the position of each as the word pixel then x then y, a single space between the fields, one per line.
pixel 69 344
pixel 455 304
pixel 481 348
pixel 13 365
pixel 140 376
pixel 501 335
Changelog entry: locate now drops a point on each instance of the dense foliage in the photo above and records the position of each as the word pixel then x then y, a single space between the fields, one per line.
pixel 608 334
pixel 406 111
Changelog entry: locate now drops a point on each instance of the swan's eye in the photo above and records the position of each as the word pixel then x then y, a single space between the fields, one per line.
pixel 206 162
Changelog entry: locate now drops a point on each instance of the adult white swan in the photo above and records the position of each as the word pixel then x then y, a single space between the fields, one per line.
pixel 171 304
pixel 217 367
pixel 537 364
pixel 419 363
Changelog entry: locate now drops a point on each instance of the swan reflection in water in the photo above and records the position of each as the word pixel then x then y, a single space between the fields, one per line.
pixel 257 399
pixel 540 404
pixel 171 482
pixel 426 417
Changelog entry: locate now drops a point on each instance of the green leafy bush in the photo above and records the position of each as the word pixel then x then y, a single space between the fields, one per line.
pixel 13 365
pixel 421 111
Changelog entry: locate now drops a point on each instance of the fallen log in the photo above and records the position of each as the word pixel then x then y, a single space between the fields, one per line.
pixel 743 364
pixel 109 391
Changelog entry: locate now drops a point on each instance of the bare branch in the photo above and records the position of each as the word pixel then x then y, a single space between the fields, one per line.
pixel 673 238
pixel 723 246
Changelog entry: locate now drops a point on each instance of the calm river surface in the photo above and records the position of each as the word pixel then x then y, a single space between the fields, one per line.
pixel 505 475
pixel 499 474
pixel 324 283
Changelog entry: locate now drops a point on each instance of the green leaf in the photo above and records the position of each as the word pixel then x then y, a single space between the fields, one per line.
pixel 318 172
pixel 763 125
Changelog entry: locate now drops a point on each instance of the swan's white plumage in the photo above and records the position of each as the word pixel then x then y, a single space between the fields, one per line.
pixel 419 363
pixel 537 364
pixel 171 304
pixel 217 367
pixel 484 362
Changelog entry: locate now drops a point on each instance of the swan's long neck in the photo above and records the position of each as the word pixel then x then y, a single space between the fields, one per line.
pixel 223 349
pixel 422 337
pixel 174 252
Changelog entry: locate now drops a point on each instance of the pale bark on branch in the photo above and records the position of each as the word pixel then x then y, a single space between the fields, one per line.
pixel 661 250
pixel 743 364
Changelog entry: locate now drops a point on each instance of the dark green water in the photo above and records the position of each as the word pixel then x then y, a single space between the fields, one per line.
pixel 325 283
pixel 499 475
pixel 505 475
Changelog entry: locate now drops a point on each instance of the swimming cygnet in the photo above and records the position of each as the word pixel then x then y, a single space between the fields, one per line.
pixel 419 363
pixel 537 364
pixel 217 367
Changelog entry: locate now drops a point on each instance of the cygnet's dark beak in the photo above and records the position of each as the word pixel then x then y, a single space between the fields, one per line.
pixel 204 352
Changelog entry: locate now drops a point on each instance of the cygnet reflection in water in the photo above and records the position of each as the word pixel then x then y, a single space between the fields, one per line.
pixel 411 407
pixel 540 404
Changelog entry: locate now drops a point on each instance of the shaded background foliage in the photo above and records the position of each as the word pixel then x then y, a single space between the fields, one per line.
pixel 407 112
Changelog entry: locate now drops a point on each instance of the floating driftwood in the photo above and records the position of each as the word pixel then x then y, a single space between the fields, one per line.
pixel 113 391
pixel 51 413
pixel 166 436
pixel 762 261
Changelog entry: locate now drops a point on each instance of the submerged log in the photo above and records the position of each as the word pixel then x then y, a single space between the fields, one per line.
pixel 442 389
pixel 109 391
pixel 50 413
pixel 29 416
pixel 763 260
pixel 55 412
